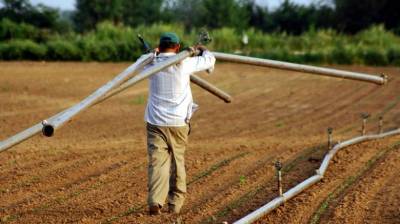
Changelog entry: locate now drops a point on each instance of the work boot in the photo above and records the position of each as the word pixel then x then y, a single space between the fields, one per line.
pixel 155 210
pixel 173 209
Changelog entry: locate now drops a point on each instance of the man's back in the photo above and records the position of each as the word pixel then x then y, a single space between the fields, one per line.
pixel 170 100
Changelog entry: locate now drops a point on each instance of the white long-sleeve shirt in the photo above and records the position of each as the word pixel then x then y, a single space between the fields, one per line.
pixel 170 101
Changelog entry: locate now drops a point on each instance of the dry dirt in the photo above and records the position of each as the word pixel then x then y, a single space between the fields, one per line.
pixel 94 169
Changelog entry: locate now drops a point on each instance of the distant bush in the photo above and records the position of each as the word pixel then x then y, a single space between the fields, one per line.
pixel 342 54
pixel 110 43
pixel 63 50
pixel 393 55
pixel 22 50
pixel 375 56
pixel 226 39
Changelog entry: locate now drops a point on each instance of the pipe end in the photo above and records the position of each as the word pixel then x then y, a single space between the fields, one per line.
pixel 48 129
pixel 229 100
pixel 385 79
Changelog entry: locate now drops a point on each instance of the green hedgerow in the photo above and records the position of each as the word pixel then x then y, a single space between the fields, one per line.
pixel 22 50
pixel 63 50
pixel 374 56
pixel 393 55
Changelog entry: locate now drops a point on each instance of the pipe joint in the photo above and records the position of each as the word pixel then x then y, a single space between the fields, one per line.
pixel 318 172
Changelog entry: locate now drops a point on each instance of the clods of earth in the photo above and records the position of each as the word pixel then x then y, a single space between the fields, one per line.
pixel 94 169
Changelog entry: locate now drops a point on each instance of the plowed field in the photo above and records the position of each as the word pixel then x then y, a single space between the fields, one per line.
pixel 94 169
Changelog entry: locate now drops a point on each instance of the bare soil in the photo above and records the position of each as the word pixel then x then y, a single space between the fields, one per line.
pixel 94 169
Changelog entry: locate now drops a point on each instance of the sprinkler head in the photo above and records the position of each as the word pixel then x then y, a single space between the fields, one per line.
pixel 278 165
pixel 365 115
pixel 204 37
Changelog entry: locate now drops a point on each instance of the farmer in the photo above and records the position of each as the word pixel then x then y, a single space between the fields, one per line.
pixel 169 109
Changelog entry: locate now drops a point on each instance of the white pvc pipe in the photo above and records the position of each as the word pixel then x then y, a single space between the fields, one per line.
pixel 267 208
pixel 300 187
pixel 262 211
pixel 382 79
pixel 107 88
pixel 275 203
pixel 331 153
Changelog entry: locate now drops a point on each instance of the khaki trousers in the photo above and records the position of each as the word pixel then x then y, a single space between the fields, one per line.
pixel 166 170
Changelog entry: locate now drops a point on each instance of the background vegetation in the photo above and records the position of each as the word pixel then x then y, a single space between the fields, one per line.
pixel 332 31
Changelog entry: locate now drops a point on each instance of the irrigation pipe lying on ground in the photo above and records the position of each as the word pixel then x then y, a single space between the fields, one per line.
pixel 252 217
pixel 382 79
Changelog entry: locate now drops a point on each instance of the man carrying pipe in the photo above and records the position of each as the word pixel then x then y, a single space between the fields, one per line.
pixel 169 109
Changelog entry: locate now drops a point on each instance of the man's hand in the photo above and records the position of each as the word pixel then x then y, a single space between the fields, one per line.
pixel 201 48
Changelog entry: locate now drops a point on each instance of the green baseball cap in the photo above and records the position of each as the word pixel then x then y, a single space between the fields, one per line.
pixel 169 37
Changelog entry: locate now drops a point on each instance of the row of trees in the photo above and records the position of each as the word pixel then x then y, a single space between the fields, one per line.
pixel 374 46
pixel 344 15
pixel 41 16
pixel 348 16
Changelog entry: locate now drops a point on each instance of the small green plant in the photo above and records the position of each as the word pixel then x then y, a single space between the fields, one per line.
pixel 242 180
pixel 2 190
pixel 5 88
pixel 217 166
pixel 22 49
pixel 139 100
pixel 7 218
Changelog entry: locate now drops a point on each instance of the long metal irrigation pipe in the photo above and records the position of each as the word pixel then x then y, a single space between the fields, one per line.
pixel 275 203
pixel 382 79
pixel 50 127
